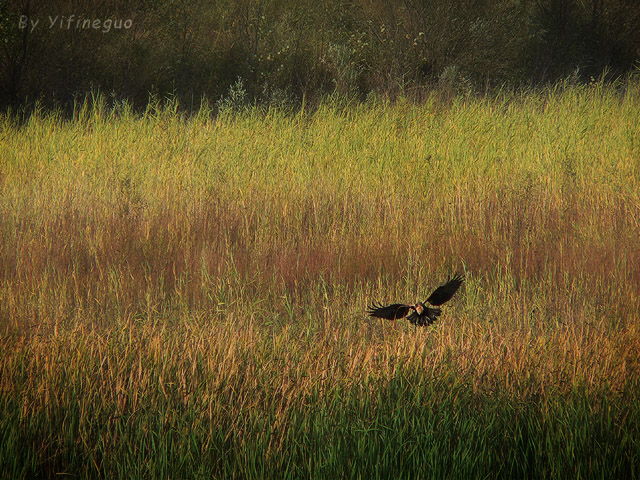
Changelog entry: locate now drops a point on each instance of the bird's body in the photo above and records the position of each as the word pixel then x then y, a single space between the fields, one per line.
pixel 419 313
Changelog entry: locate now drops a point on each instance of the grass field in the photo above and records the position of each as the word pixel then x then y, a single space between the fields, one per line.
pixel 184 297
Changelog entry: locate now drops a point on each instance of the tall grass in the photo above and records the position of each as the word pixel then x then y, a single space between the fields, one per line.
pixel 184 297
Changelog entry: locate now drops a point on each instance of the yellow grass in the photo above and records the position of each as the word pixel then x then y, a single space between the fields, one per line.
pixel 226 263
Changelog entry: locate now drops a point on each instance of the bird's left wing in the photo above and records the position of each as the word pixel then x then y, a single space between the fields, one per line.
pixel 444 292
pixel 390 312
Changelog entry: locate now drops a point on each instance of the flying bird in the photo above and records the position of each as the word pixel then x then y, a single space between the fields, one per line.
pixel 421 314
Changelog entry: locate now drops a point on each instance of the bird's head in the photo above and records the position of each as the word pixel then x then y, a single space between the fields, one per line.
pixel 419 308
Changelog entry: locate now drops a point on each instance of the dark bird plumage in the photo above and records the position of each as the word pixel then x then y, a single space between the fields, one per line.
pixel 421 314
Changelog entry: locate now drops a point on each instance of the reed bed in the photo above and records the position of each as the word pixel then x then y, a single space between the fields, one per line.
pixel 184 297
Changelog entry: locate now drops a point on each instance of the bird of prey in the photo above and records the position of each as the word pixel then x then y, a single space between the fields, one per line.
pixel 421 314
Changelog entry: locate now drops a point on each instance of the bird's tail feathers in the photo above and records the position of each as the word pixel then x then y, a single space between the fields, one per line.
pixel 427 318
pixel 431 316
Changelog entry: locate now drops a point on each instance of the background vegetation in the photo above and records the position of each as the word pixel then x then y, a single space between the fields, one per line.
pixel 184 296
pixel 291 52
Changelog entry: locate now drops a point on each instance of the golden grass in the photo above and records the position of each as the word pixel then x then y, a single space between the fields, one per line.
pixel 226 263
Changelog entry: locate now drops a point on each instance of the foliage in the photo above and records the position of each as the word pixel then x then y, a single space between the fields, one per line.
pixel 302 52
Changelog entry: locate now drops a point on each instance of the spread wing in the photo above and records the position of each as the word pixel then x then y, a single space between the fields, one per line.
pixel 390 312
pixel 444 292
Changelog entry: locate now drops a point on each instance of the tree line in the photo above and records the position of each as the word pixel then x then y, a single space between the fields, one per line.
pixel 284 52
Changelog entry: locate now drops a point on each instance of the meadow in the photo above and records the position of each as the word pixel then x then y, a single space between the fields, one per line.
pixel 184 296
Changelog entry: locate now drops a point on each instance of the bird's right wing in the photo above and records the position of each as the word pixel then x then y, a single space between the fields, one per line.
pixel 390 312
